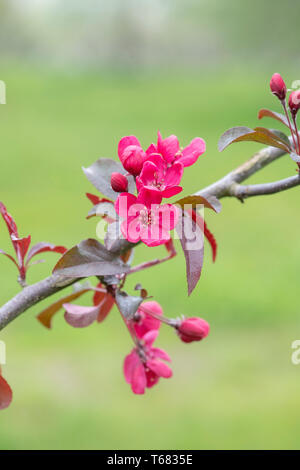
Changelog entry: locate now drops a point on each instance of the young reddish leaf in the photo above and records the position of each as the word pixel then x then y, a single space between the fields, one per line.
pixel 5 393
pixel 45 317
pixel 170 247
pixel 22 245
pixel 191 239
pixel 96 199
pixel 194 200
pixel 212 241
pixel 9 256
pixel 259 134
pixel 272 114
pixel 280 136
pixel 89 258
pixel 80 317
pixel 11 224
pixel 42 247
pixel 105 307
pixel 99 174
pixel 207 233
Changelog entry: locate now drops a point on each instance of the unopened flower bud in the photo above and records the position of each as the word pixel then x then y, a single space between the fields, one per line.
pixel 294 102
pixel 133 159
pixel 119 183
pixel 278 87
pixel 192 329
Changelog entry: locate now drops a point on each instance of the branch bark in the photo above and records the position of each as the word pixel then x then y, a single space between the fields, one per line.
pixel 228 186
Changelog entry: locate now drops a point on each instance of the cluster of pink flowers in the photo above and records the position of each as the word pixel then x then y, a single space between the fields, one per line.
pixel 157 172
pixel 145 365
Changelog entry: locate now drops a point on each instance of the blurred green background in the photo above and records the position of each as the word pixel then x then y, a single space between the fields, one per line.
pixel 79 77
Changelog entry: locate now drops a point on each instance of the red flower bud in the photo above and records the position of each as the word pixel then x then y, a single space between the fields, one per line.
pixel 133 159
pixel 192 329
pixel 119 183
pixel 278 87
pixel 294 102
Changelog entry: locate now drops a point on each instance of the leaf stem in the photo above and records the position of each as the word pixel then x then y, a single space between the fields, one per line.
pixel 290 125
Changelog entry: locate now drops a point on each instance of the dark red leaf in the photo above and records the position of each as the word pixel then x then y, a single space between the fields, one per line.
pixel 272 114
pixel 195 200
pixel 80 317
pixel 127 304
pixel 209 236
pixel 45 317
pixel 105 307
pixel 259 134
pixel 42 247
pixel 90 258
pixel 191 239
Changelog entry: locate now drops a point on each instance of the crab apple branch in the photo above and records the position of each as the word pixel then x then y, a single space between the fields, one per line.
pixel 228 186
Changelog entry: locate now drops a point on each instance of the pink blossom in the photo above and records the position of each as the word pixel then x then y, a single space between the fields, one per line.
pixel 170 150
pixel 144 320
pixel 131 154
pixel 145 219
pixel 158 177
pixel 192 329
pixel 143 367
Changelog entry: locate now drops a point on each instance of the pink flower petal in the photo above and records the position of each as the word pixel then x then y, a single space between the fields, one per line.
pixel 131 229
pixel 147 322
pixel 149 198
pixel 130 363
pixel 152 378
pixel 168 216
pixel 174 174
pixel 125 142
pixel 191 153
pixel 80 317
pixel 138 380
pixel 160 368
pixel 161 354
pixel 171 191
pixel 150 337
pixel 123 203
pixel 148 173
pixel 168 147
pixel 151 149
